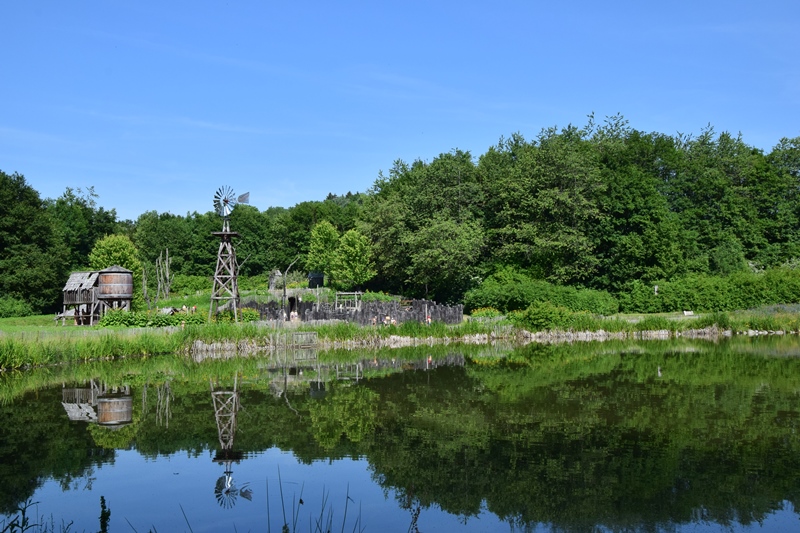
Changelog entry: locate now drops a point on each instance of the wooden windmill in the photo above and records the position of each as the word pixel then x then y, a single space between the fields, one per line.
pixel 226 405
pixel 226 286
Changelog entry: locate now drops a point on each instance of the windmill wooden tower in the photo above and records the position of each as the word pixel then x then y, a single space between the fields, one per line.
pixel 226 405
pixel 226 286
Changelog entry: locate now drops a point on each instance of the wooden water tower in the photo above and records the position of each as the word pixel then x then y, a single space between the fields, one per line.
pixel 226 286
pixel 90 295
pixel 114 289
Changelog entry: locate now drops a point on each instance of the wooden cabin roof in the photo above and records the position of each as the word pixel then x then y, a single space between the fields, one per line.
pixel 80 281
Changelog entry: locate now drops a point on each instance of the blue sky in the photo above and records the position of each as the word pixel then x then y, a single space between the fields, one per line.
pixel 158 104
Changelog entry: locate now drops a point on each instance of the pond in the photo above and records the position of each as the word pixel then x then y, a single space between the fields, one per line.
pixel 635 436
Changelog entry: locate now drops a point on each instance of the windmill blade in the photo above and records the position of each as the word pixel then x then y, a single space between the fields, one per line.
pixel 243 199
pixel 224 201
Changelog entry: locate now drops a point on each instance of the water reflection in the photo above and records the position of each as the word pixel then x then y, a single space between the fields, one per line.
pixel 226 407
pixel 99 403
pixel 627 437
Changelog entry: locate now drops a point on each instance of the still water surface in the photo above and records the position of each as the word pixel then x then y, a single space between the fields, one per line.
pixel 658 436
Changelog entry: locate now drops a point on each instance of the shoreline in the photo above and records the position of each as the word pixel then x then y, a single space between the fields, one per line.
pixel 250 347
pixel 25 352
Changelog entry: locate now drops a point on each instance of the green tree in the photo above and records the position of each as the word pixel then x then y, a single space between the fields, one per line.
pixel 352 261
pixel 33 260
pixel 443 257
pixel 400 210
pixel 387 230
pixel 253 247
pixel 777 199
pixel 322 248
pixel 545 206
pixel 154 233
pixel 202 245
pixel 637 238
pixel 79 222
pixel 119 250
pixel 712 186
pixel 293 230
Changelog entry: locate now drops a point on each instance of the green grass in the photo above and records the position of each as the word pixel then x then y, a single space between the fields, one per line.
pixel 27 323
pixel 39 340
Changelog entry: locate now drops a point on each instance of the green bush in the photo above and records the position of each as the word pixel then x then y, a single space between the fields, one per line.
pixel 183 285
pixel 704 293
pixel 149 319
pixel 245 315
pixel 541 316
pixel 485 312
pixel 510 290
pixel 116 318
pixel 251 283
pixel 378 297
pixel 12 307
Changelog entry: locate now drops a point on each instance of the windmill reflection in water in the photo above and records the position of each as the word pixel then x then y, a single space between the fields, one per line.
pixel 226 406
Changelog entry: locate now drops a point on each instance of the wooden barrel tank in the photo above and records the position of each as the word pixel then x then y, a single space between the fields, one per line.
pixel 114 410
pixel 115 283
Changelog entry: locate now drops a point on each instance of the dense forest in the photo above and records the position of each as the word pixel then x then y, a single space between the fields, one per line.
pixel 602 207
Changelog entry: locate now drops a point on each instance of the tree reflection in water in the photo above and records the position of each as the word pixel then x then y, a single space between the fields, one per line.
pixel 617 436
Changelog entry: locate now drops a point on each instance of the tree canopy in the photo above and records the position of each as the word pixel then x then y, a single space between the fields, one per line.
pixel 33 259
pixel 603 206
pixel 119 250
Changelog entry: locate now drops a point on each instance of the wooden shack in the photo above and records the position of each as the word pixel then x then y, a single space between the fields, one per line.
pixel 89 295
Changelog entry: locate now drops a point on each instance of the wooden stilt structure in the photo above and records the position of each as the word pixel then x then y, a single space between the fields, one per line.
pixel 226 405
pixel 226 286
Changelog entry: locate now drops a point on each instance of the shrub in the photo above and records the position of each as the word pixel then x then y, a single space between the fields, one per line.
pixel 250 283
pixel 764 322
pixel 583 321
pixel 250 315
pixel 378 297
pixel 183 285
pixel 151 319
pixel 705 293
pixel 509 290
pixel 485 312
pixel 245 315
pixel 195 319
pixel 12 307
pixel 541 316
pixel 116 317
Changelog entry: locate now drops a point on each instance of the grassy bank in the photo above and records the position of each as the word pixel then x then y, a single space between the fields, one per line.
pixel 36 345
pixel 544 316
pixel 37 341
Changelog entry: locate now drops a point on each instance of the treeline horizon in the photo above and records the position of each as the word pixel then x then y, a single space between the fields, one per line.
pixel 602 207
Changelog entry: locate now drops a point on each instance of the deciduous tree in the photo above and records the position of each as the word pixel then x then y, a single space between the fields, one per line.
pixel 33 260
pixel 352 261
pixel 119 250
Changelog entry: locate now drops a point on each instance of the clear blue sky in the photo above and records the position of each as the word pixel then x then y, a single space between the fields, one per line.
pixel 157 104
